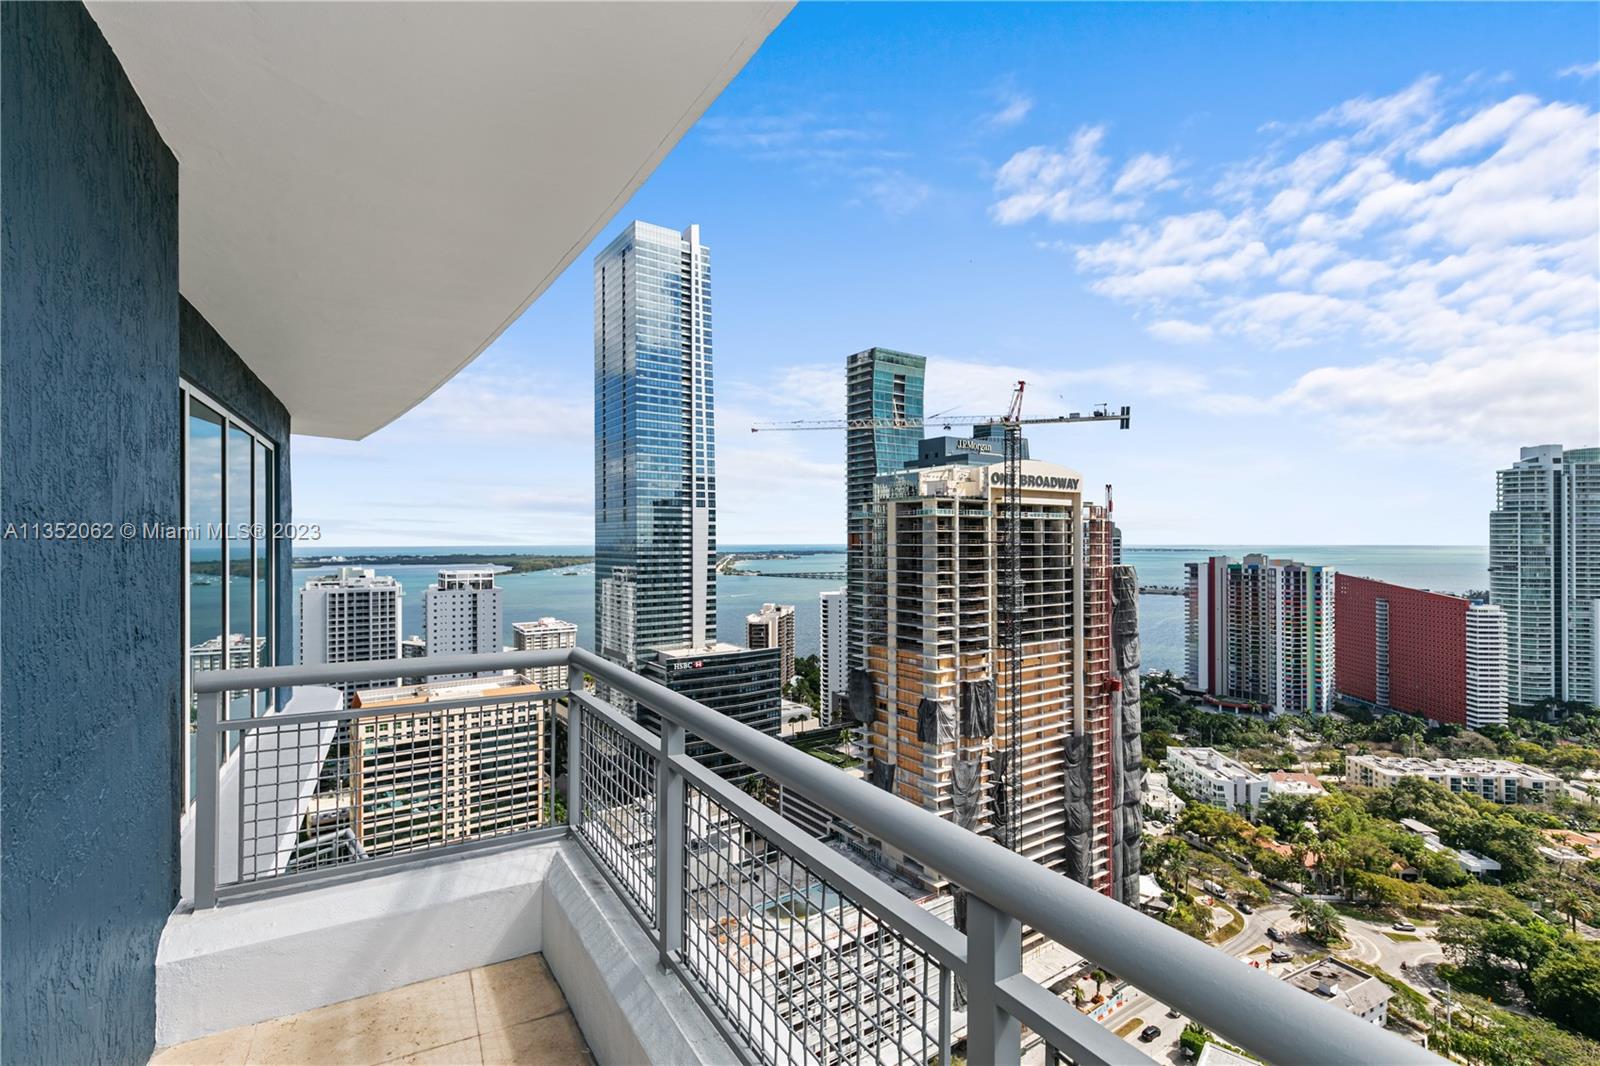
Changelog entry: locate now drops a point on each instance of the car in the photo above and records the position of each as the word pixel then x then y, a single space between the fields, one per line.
pixel 1245 908
pixel 1280 955
pixel 1403 926
pixel 1149 1033
pixel 1275 934
pixel 1172 1012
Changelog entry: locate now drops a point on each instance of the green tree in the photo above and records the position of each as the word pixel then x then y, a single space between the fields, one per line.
pixel 1302 909
pixel 1575 906
pixel 1214 825
pixel 1193 1039
pixel 1327 925
pixel 1170 861
pixel 1565 988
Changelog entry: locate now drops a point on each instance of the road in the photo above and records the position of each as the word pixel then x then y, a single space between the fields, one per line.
pixel 1369 943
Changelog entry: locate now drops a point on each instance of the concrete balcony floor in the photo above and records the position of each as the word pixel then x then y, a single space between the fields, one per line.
pixel 511 1012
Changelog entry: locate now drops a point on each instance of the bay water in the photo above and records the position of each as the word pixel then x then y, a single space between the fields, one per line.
pixel 568 592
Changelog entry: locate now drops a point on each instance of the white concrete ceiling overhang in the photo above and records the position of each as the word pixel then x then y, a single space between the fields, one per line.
pixel 369 193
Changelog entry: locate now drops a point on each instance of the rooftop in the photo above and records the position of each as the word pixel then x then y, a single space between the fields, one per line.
pixel 1214 764
pixel 695 651
pixel 1477 766
pixel 1342 985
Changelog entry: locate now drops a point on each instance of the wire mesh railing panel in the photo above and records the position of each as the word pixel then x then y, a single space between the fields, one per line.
pixel 357 786
pixel 802 971
pixel 619 800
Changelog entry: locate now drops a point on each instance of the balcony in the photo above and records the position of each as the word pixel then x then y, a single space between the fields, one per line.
pixel 345 853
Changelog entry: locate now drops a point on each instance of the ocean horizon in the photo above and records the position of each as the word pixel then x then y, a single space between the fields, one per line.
pixel 568 592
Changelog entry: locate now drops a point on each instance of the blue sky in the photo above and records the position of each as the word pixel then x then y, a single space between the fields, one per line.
pixel 1341 260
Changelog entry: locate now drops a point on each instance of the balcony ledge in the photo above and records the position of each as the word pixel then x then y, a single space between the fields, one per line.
pixel 253 960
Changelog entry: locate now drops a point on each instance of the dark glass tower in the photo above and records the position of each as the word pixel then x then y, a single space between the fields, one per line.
pixel 879 384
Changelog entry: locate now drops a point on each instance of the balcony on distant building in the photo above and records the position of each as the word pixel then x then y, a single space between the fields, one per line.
pixel 348 855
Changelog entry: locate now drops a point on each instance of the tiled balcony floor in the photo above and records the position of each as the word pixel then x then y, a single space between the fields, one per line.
pixel 512 1012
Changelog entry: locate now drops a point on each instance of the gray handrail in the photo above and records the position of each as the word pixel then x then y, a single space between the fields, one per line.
pixel 1258 1012
pixel 240 680
pixel 1271 1019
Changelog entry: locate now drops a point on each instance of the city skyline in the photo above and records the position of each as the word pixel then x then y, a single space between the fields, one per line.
pixel 1003 207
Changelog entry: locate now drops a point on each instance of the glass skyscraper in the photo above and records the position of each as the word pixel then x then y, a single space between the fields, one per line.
pixel 879 384
pixel 1544 572
pixel 655 492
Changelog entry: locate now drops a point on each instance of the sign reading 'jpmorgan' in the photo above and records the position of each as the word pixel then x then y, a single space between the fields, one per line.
pixel 1037 481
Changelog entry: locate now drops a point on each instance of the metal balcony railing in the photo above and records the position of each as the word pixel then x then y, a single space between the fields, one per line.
pixel 795 952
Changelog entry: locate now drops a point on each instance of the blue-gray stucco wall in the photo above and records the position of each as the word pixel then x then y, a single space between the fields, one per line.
pixel 90 630
pixel 93 338
pixel 206 360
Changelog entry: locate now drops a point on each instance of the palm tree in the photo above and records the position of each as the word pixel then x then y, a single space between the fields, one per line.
pixel 1327 924
pixel 1302 910
pixel 1575 907
pixel 1172 866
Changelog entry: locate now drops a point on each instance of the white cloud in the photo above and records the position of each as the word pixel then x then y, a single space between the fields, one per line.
pixel 894 192
pixel 1177 331
pixel 1014 106
pixel 1400 116
pixel 1581 71
pixel 1072 184
pixel 1451 256
pixel 1353 275
pixel 1144 171
pixel 1487 126
pixel 495 402
pixel 852 151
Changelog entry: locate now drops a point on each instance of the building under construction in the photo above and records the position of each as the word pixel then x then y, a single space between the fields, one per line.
pixel 1056 776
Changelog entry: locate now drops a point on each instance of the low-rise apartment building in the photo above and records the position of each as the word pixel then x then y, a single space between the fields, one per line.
pixel 1211 777
pixel 1498 780
pixel 1288 783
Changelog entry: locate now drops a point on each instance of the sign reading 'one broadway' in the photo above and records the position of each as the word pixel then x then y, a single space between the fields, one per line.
pixel 1036 481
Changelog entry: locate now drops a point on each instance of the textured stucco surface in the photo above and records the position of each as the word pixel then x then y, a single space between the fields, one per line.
pixel 206 360
pixel 90 633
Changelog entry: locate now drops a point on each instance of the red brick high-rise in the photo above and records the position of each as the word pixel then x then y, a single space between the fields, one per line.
pixel 1426 653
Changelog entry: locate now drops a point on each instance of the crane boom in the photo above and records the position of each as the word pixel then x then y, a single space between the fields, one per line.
pixel 1102 413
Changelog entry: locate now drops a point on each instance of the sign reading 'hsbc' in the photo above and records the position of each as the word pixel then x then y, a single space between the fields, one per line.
pixel 1037 481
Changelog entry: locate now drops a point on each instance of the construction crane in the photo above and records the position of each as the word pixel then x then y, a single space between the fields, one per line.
pixel 1010 555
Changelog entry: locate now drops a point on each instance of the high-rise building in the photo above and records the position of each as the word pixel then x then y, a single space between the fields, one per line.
pixel 1544 572
pixel 243 653
pixel 1426 653
pixel 1261 632
pixel 833 653
pixel 461 616
pixel 426 775
pixel 546 634
pixel 741 683
pixel 654 444
pixel 773 627
pixel 351 616
pixel 880 384
pixel 939 731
